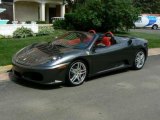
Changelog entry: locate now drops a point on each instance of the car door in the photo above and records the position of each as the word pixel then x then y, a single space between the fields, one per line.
pixel 110 57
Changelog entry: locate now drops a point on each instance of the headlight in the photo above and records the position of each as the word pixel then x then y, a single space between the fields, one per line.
pixel 56 58
pixel 53 59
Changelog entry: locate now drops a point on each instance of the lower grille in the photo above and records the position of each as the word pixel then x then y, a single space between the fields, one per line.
pixel 17 74
pixel 33 76
pixel 29 75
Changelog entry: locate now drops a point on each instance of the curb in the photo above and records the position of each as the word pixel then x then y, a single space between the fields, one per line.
pixel 154 51
pixel 4 72
pixel 4 69
pixel 4 77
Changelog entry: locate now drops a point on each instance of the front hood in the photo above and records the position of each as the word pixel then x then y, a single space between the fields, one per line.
pixel 39 54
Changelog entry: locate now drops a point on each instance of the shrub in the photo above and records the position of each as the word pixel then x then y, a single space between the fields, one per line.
pixel 1 36
pixel 86 16
pixel 28 22
pixel 8 36
pixel 45 30
pixel 70 18
pixel 70 21
pixel 22 32
pixel 67 24
pixel 59 24
pixel 41 22
pixel 102 15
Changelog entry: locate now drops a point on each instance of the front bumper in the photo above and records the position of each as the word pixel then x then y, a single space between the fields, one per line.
pixel 42 75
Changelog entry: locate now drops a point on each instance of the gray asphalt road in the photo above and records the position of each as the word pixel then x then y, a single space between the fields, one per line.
pixel 123 95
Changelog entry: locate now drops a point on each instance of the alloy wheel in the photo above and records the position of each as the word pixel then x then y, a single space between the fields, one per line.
pixel 139 60
pixel 77 73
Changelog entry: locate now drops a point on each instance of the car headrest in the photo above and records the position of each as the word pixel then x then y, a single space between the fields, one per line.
pixel 106 41
pixel 109 34
pixel 92 31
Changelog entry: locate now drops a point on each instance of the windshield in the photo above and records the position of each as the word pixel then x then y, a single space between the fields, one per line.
pixel 75 40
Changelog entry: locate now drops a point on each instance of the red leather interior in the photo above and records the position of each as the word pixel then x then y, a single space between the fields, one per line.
pixel 73 42
pixel 106 41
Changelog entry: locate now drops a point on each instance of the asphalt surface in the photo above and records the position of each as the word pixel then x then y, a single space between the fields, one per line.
pixel 122 95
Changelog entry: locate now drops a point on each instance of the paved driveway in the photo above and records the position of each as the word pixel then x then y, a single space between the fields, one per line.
pixel 123 95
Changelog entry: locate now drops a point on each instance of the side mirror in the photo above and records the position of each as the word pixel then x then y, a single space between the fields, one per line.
pixel 94 48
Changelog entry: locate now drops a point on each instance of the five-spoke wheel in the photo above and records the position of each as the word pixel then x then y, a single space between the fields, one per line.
pixel 139 60
pixel 77 73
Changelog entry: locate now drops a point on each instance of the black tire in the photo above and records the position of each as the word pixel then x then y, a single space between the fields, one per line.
pixel 155 27
pixel 76 73
pixel 139 60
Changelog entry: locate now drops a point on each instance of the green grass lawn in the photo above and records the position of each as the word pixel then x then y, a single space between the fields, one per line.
pixel 153 38
pixel 8 47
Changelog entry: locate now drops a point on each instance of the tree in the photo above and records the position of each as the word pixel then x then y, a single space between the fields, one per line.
pixel 73 3
pixel 102 15
pixel 87 15
pixel 119 14
pixel 148 6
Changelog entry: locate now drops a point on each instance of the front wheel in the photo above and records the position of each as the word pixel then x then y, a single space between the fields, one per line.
pixel 76 74
pixel 139 60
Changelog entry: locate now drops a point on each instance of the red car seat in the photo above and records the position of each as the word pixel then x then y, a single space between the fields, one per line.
pixel 74 42
pixel 112 40
pixel 106 41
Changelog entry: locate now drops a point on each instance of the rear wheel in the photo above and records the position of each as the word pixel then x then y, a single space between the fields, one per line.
pixel 155 27
pixel 77 73
pixel 139 60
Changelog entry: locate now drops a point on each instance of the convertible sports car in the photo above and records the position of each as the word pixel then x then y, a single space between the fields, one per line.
pixel 74 56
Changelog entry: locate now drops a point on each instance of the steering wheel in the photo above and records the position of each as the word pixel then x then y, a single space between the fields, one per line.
pixel 92 31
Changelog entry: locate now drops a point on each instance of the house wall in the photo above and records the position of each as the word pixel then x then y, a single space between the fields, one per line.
pixel 7 30
pixel 58 9
pixel 7 0
pixel 8 14
pixel 22 10
pixel 26 12
pixel 52 10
